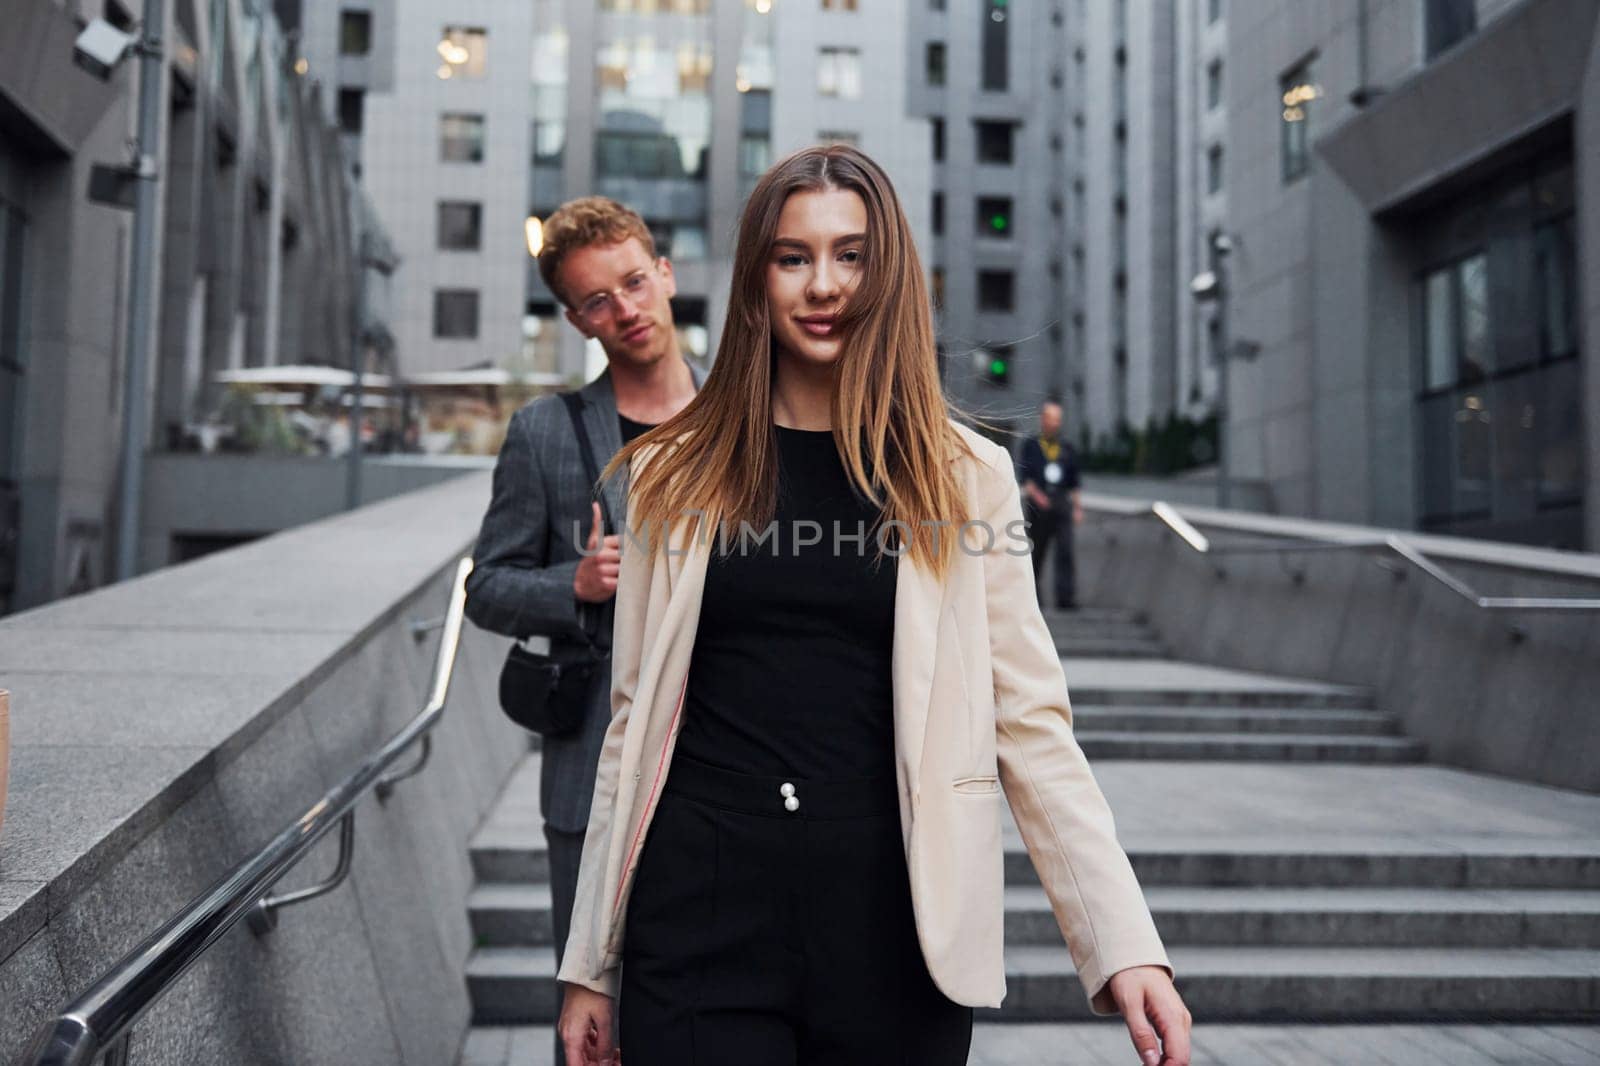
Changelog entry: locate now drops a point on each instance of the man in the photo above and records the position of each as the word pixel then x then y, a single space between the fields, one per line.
pixel 531 575
pixel 1048 469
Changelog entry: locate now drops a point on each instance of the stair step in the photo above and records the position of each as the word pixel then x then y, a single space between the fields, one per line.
pixel 1344 917
pixel 517 986
pixel 1233 720
pixel 1174 683
pixel 519 916
pixel 1253 861
pixel 1359 863
pixel 1280 747
pixel 1242 697
pixel 513 986
pixel 1310 984
pixel 1095 616
pixel 510 858
pixel 1109 647
pixel 1106 1041
pixel 510 915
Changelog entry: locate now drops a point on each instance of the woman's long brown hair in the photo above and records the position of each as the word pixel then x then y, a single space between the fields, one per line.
pixel 719 454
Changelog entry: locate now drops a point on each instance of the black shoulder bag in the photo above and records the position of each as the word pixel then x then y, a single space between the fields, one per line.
pixel 549 693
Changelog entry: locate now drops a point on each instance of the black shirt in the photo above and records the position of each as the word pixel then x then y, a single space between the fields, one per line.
pixel 1034 466
pixel 632 429
pixel 790 674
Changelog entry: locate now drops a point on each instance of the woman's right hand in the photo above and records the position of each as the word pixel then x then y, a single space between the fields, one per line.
pixel 585 1028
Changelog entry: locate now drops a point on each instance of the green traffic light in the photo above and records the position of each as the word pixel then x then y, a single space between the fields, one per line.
pixel 998 222
pixel 998 367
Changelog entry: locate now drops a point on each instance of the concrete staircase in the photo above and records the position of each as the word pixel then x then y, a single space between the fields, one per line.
pixel 1301 865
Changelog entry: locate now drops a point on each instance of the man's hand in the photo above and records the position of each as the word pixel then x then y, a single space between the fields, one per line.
pixel 1036 494
pixel 585 1028
pixel 1153 1009
pixel 596 579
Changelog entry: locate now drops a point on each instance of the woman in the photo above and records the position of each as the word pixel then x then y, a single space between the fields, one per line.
pixel 822 678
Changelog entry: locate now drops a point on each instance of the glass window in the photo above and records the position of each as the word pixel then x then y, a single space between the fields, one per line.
pixel 460 225
pixel 1214 169
pixel 654 100
pixel 938 140
pixel 933 63
pixel 1299 93
pixel 657 7
pixel 994 216
pixel 622 154
pixel 996 290
pixel 838 137
pixel 1213 10
pixel 938 288
pixel 936 5
pixel 549 86
pixel 938 212
pixel 995 46
pixel 1477 355
pixel 838 5
pixel 1555 255
pixel 839 73
pixel 1214 85
pixel 355 32
pixel 1448 22
pixel 995 141
pixel 755 154
pixel 1439 330
pixel 460 138
pixel 455 314
pixel 463 52
pixel 351 109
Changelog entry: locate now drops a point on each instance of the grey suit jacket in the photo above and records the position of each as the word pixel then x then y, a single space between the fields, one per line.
pixel 527 555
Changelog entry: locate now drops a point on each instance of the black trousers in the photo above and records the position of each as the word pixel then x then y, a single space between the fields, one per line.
pixel 760 935
pixel 1047 529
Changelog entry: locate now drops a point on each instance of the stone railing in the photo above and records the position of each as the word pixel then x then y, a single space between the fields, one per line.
pixel 167 727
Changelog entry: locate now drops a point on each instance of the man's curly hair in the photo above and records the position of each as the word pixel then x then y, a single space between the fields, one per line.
pixel 587 221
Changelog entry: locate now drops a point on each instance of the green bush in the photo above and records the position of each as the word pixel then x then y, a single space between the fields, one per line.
pixel 1168 446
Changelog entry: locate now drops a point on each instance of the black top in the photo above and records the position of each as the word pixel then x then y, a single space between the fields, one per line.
pixel 632 429
pixel 1035 466
pixel 790 674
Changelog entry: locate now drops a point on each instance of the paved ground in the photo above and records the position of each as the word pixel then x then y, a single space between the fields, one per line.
pixel 1231 1045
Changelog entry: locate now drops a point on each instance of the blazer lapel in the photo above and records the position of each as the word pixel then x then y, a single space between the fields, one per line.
pixel 600 417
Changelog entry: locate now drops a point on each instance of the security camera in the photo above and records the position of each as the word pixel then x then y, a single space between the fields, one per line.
pixel 1205 285
pixel 100 47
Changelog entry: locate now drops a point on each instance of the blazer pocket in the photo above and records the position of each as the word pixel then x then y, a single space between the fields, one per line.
pixel 976 785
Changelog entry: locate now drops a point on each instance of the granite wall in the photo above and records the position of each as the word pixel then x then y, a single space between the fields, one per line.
pixel 166 727
pixel 1505 693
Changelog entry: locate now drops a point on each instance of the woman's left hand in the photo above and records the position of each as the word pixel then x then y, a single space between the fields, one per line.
pixel 1157 1019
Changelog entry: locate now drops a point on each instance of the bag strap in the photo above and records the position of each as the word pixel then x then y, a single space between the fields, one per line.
pixel 591 469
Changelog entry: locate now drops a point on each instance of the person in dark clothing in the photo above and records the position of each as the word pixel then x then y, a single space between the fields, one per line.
pixel 531 575
pixel 1048 470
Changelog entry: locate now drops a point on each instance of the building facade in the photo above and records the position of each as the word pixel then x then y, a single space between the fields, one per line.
pixel 1414 263
pixel 471 125
pixel 991 80
pixel 254 262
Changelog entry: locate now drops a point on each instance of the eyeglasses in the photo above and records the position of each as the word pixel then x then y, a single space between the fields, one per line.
pixel 639 286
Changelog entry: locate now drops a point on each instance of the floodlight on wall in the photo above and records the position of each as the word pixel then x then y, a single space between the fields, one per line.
pixel 533 231
pixel 100 47
pixel 1205 286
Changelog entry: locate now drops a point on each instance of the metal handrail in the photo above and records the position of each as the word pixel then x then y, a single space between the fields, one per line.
pixel 101 1020
pixel 1175 520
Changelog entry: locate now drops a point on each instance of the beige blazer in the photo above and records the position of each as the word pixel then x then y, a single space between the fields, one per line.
pixel 981 710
